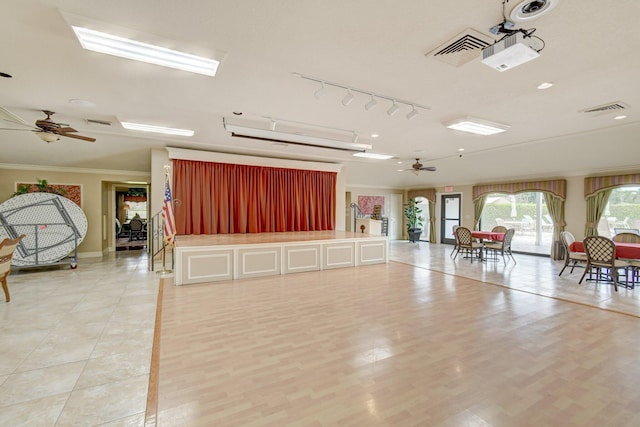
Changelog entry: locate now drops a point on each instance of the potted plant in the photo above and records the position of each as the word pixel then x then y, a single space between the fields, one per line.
pixel 414 220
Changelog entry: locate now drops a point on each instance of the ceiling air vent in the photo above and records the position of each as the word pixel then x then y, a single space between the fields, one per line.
pixel 98 122
pixel 462 48
pixel 612 107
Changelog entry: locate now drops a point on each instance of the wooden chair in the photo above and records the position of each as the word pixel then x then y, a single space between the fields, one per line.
pixel 626 238
pixel 601 255
pixel 7 247
pixel 630 237
pixel 456 248
pixel 576 258
pixel 466 243
pixel 503 247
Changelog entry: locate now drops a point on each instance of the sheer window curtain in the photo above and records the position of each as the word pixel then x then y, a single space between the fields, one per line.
pixel 219 198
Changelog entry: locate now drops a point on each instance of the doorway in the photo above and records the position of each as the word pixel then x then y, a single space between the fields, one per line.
pixel 450 209
pixel 395 217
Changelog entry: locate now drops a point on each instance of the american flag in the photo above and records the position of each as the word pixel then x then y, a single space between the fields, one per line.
pixel 167 215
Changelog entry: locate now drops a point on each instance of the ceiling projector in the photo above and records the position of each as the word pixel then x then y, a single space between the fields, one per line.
pixel 511 51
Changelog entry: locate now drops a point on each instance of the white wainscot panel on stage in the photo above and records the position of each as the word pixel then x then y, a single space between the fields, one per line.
pixel 339 255
pixel 263 261
pixel 372 252
pixel 206 266
pixel 208 258
pixel 301 258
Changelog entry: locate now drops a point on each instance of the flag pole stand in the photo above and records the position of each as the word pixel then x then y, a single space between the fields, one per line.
pixel 164 269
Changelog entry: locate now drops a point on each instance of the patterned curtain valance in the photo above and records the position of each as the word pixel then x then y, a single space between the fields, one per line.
pixel 557 187
pixel 427 193
pixel 597 183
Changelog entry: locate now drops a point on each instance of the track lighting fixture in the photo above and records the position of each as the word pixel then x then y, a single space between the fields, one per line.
pixel 372 103
pixel 411 114
pixel 320 91
pixel 393 109
pixel 348 98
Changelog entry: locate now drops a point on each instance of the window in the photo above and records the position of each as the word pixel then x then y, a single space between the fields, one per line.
pixel 525 212
pixel 622 211
pixel 134 208
pixel 426 224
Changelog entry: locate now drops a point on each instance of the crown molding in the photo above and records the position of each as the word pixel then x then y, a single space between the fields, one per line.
pixel 74 170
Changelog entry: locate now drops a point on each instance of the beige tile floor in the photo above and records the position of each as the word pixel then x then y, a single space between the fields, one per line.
pixel 76 344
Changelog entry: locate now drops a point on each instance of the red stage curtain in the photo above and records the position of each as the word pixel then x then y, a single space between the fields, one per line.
pixel 220 198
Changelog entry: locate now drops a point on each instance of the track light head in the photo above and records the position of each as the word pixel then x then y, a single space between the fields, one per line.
pixel 320 91
pixel 348 98
pixel 354 138
pixel 372 103
pixel 411 114
pixel 272 125
pixel 393 109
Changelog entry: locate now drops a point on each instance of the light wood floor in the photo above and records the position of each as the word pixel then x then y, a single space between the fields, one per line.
pixel 421 341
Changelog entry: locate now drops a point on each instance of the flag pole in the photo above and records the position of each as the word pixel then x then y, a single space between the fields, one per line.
pixel 165 270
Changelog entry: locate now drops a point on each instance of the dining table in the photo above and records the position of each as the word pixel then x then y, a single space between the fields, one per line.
pixel 488 235
pixel 623 250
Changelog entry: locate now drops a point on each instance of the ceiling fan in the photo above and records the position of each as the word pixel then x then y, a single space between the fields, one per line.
pixel 417 167
pixel 46 129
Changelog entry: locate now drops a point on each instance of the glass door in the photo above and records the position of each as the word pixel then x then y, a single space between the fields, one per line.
pixel 450 214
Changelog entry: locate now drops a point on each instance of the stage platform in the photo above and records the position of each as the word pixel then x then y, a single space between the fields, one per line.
pixel 208 258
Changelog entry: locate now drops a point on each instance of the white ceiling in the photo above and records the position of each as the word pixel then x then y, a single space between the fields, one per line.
pixel 591 55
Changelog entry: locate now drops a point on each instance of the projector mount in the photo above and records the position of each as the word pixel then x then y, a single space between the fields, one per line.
pixel 508 28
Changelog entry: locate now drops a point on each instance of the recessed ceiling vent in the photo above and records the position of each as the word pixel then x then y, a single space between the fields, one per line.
pixel 612 107
pixel 98 122
pixel 462 48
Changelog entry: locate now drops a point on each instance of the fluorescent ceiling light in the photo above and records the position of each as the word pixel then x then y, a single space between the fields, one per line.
pixel 131 49
pixel 477 126
pixel 370 155
pixel 157 129
pixel 294 138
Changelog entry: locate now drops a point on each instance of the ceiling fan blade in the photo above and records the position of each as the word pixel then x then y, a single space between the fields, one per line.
pixel 10 117
pixel 428 168
pixel 64 130
pixel 84 138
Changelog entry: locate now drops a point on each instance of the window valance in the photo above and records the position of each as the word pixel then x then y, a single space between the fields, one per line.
pixel 595 184
pixel 427 193
pixel 557 187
